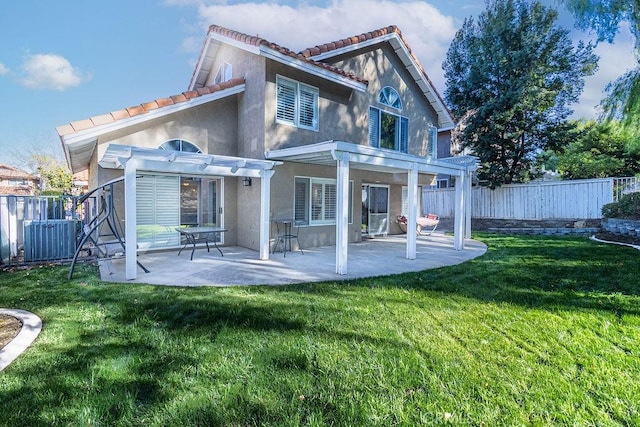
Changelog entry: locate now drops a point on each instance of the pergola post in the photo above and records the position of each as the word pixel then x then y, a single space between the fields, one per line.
pixel 458 229
pixel 412 195
pixel 467 207
pixel 130 238
pixel 342 211
pixel 265 207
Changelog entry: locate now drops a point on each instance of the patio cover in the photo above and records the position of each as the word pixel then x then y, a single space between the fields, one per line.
pixel 344 155
pixel 133 159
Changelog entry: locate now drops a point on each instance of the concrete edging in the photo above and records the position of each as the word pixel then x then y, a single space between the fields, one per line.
pixel 31 327
pixel 594 238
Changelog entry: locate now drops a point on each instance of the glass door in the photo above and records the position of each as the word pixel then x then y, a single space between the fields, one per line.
pixel 375 210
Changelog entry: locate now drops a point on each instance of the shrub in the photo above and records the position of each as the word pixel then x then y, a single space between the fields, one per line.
pixel 627 207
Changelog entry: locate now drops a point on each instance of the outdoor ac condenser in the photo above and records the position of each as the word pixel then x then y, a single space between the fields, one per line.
pixel 49 240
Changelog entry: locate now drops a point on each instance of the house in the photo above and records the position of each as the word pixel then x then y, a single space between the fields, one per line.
pixel 16 182
pixel 339 137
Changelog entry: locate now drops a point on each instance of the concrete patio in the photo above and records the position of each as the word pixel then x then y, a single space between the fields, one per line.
pixel 240 266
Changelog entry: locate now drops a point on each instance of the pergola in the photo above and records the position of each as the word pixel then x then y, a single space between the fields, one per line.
pixel 344 156
pixel 133 159
pixel 339 154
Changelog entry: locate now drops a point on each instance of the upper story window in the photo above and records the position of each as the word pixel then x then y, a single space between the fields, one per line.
pixel 180 145
pixel 223 74
pixel 389 96
pixel 296 104
pixel 388 130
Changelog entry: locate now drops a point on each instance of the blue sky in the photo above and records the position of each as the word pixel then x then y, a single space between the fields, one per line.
pixel 64 60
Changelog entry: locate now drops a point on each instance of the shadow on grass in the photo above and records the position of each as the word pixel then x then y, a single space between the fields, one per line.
pixel 121 353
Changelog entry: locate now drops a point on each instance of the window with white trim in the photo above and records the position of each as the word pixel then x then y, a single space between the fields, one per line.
pixel 296 104
pixel 180 145
pixel 223 74
pixel 388 130
pixel 389 96
pixel 315 200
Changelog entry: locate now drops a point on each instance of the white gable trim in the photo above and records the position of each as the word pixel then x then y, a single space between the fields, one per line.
pixel 445 120
pixel 79 146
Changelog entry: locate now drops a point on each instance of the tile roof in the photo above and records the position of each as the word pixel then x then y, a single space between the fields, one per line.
pixel 359 38
pixel 16 190
pixel 143 108
pixel 9 172
pixel 258 41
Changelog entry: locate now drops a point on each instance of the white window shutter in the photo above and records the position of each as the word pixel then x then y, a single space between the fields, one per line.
pixel 432 145
pixel 374 127
pixel 301 200
pixel 286 101
pixel 330 200
pixel 404 135
pixel 308 114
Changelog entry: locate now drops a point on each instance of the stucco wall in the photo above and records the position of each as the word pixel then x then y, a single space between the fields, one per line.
pixel 381 67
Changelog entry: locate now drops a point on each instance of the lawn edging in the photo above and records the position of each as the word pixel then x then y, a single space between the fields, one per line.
pixel 594 238
pixel 31 327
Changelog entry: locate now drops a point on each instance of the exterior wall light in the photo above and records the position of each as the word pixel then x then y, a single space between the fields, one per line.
pixel 246 181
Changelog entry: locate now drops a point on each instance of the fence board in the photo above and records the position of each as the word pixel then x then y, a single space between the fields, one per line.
pixel 579 199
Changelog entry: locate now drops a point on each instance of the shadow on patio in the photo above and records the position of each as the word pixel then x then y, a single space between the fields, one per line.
pixel 240 266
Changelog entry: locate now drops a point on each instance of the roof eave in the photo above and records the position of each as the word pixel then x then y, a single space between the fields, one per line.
pixel 81 140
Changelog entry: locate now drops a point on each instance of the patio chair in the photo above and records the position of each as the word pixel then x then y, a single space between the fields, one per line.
pixel 429 222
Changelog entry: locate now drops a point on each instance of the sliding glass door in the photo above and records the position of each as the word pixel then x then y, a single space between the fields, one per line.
pixel 375 210
pixel 165 202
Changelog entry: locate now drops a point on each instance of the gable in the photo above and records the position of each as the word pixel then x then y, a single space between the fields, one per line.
pixel 338 53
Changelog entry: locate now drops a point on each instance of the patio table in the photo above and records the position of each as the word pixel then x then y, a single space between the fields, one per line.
pixel 195 235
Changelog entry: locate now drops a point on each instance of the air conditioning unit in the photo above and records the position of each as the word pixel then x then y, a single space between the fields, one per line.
pixel 49 240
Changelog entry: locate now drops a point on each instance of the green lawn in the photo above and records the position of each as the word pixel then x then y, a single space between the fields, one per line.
pixel 538 331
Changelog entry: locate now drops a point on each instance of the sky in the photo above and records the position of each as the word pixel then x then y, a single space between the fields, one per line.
pixel 65 60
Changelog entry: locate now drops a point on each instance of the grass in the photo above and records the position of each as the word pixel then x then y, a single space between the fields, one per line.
pixel 538 331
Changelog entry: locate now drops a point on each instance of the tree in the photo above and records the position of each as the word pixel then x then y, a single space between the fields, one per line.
pixel 605 18
pixel 600 150
pixel 512 75
pixel 56 177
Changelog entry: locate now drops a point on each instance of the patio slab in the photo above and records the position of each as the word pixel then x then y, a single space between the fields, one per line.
pixel 240 266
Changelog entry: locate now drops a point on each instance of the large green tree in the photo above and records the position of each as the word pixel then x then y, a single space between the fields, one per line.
pixel 599 150
pixel 511 76
pixel 605 18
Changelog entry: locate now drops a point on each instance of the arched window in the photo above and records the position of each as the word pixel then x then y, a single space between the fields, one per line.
pixel 389 96
pixel 180 145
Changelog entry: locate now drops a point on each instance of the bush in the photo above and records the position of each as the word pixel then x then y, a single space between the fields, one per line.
pixel 627 207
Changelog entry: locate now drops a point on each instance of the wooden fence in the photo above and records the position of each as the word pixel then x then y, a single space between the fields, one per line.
pixel 579 199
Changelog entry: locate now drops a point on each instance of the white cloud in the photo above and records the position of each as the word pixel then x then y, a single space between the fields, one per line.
pixel 50 71
pixel 425 28
pixel 615 60
pixel 3 69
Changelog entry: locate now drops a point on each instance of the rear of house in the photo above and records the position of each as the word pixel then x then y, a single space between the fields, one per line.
pixel 338 137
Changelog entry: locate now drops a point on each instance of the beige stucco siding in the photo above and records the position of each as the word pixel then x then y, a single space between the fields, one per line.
pixel 382 67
